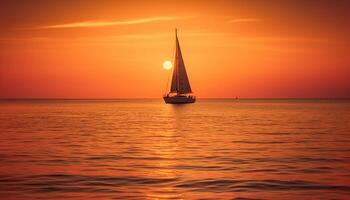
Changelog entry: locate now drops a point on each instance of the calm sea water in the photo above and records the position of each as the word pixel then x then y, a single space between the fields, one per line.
pixel 145 149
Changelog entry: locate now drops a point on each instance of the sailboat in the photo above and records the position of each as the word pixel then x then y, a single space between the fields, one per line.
pixel 180 89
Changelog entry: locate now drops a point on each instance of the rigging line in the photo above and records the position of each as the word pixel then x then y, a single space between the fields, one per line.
pixel 173 65
pixel 167 82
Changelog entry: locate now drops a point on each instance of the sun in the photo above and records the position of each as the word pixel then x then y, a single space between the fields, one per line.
pixel 167 65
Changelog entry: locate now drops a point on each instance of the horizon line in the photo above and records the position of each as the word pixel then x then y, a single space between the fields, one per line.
pixel 204 98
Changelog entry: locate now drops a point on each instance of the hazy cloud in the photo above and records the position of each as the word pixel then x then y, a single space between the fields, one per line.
pixel 243 20
pixel 88 24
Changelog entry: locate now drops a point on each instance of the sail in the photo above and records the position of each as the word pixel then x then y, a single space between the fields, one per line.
pixel 179 83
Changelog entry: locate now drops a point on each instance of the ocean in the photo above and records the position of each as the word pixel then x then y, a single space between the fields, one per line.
pixel 145 149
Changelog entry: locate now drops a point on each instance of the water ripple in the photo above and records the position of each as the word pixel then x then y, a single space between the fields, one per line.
pixel 144 149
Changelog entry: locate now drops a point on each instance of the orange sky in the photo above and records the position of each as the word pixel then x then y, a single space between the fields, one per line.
pixel 115 49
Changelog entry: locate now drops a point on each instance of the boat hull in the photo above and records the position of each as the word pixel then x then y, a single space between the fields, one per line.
pixel 179 99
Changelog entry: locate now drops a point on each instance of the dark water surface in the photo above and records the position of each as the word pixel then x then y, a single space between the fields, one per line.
pixel 145 149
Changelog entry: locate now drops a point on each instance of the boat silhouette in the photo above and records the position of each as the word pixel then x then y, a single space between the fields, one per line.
pixel 180 90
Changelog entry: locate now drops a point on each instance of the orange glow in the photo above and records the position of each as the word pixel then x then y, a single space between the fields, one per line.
pixel 112 49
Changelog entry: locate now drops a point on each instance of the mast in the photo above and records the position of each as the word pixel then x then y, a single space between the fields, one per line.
pixel 174 81
pixel 177 61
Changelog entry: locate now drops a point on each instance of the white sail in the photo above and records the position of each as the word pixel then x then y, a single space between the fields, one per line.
pixel 179 83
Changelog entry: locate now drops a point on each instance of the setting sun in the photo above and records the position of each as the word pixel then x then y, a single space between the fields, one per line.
pixel 167 65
